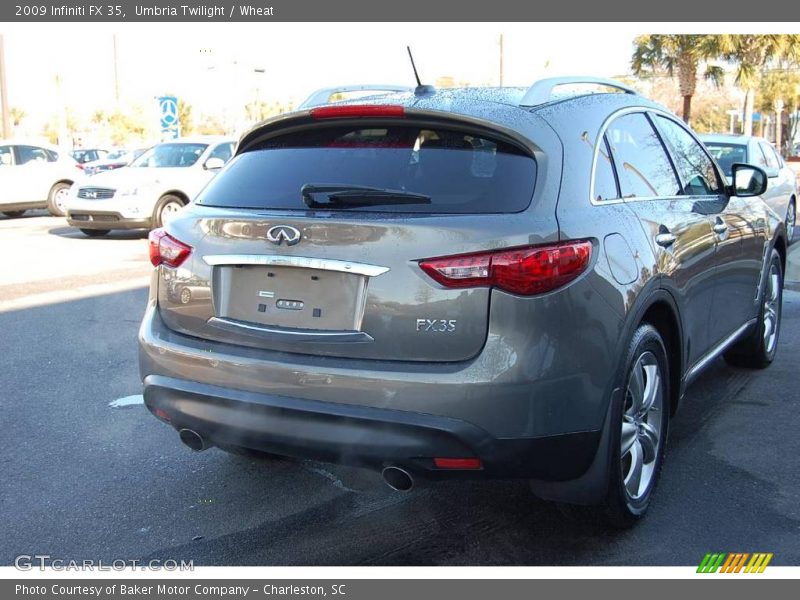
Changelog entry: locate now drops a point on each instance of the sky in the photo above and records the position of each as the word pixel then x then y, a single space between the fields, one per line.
pixel 218 67
pixel 212 65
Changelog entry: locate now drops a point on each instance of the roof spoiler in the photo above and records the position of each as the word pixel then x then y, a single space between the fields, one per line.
pixel 542 91
pixel 323 96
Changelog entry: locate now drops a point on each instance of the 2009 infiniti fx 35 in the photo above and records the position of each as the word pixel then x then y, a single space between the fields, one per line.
pixel 482 282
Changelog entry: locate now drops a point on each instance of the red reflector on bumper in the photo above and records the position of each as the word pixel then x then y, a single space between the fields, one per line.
pixel 161 415
pixel 457 463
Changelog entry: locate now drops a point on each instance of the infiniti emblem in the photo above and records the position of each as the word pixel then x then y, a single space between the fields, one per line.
pixel 283 233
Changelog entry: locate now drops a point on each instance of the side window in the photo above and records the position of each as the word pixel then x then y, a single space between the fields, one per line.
pixel 51 156
pixel 605 182
pixel 695 167
pixel 758 158
pixel 642 164
pixel 223 151
pixel 6 159
pixel 29 154
pixel 770 156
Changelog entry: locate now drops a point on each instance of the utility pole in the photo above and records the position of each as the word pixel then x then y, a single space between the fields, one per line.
pixel 116 68
pixel 4 91
pixel 501 60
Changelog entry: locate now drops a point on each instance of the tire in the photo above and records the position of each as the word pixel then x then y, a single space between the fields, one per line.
pixel 13 214
pixel 791 221
pixel 95 232
pixel 56 198
pixel 165 209
pixel 185 296
pixel 248 452
pixel 757 350
pixel 642 411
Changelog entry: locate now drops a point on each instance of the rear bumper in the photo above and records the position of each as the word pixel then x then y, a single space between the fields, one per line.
pixel 362 436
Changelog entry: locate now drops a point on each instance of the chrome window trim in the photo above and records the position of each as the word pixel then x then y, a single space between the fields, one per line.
pixel 601 134
pixel 302 262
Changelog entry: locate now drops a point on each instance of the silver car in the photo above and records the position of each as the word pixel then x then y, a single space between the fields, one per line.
pixel 463 283
pixel 781 194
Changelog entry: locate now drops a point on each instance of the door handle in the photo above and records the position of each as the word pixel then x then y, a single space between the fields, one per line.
pixel 720 228
pixel 665 239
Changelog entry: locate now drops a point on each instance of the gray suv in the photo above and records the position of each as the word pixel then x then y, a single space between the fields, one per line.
pixel 507 283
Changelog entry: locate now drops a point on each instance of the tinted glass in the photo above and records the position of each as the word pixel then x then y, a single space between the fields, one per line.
pixel 28 154
pixel 605 183
pixel 727 154
pixel 170 155
pixel 695 167
pixel 460 172
pixel 223 151
pixel 642 164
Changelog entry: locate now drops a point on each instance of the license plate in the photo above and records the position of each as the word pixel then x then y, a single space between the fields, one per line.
pixel 291 297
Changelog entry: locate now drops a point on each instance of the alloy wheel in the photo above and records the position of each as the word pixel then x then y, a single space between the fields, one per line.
pixel 168 211
pixel 771 309
pixel 641 425
pixel 60 199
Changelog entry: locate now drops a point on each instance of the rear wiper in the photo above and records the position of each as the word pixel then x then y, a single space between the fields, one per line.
pixel 339 195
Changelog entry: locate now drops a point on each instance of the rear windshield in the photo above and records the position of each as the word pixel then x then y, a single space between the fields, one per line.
pixel 459 172
pixel 727 154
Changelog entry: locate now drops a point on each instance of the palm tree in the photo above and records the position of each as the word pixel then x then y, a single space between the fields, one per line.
pixel 681 54
pixel 751 54
pixel 777 90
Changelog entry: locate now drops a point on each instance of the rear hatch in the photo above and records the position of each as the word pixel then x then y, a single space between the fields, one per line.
pixel 310 240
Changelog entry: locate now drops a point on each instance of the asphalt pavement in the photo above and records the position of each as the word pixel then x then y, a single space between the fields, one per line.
pixel 88 473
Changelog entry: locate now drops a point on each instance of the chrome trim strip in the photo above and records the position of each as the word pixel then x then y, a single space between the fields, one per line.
pixel 602 131
pixel 283 334
pixel 715 352
pixel 302 262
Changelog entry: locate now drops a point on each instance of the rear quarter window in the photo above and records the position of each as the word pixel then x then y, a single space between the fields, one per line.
pixel 460 172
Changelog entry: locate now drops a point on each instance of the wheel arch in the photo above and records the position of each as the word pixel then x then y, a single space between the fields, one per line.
pixel 184 197
pixel 59 181
pixel 663 315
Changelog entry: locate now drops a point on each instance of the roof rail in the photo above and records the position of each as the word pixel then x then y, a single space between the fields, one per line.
pixel 323 96
pixel 542 91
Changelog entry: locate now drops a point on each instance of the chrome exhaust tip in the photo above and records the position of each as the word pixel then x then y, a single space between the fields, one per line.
pixel 398 479
pixel 193 440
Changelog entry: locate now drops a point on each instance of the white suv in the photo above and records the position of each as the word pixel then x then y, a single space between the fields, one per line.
pixel 34 175
pixel 148 192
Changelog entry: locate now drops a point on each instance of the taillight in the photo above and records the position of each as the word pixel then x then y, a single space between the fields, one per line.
pixel 357 110
pixel 525 271
pixel 166 250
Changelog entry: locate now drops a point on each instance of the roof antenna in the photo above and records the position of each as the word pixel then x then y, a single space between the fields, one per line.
pixel 420 90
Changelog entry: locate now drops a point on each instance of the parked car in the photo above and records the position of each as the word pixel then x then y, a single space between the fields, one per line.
pixel 87 155
pixel 477 283
pixel 151 190
pixel 34 175
pixel 781 194
pixel 113 160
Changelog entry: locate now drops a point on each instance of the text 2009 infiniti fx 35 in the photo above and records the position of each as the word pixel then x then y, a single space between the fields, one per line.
pixel 487 282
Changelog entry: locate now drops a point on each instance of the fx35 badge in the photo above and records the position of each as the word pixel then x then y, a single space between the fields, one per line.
pixel 436 325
